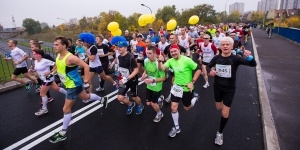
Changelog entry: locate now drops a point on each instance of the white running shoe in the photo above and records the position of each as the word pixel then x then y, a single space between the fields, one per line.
pixel 99 89
pixel 219 138
pixel 206 85
pixel 41 112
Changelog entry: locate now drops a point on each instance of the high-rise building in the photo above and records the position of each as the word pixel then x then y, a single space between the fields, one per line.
pixel 236 7
pixel 290 4
pixel 267 5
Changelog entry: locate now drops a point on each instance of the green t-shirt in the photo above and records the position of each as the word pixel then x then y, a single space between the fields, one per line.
pixel 152 71
pixel 183 70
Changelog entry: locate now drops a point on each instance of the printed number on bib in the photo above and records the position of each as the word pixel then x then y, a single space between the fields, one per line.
pixel 124 72
pixel 152 84
pixel 100 51
pixel 223 71
pixel 207 57
pixel 177 91
pixel 62 78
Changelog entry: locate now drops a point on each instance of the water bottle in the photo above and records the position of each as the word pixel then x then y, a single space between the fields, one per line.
pixel 117 73
pixel 239 52
pixel 249 58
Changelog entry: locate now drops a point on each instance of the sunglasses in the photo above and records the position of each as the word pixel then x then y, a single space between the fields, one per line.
pixel 205 38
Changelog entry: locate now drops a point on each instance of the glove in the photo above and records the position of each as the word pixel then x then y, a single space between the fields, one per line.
pixel 49 76
pixel 86 86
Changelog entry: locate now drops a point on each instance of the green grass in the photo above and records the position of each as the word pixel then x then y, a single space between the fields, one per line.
pixel 6 69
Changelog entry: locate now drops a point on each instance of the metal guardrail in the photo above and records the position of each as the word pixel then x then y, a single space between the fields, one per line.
pixel 7 67
pixel 292 34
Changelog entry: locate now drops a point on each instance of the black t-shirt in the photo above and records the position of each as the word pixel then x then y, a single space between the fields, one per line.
pixel 106 49
pixel 71 49
pixel 233 61
pixel 93 50
pixel 167 50
pixel 128 39
pixel 246 28
pixel 128 62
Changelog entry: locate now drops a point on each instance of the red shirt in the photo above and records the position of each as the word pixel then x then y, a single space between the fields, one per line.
pixel 213 47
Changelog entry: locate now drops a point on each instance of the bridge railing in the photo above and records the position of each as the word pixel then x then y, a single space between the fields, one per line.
pixel 292 34
pixel 7 66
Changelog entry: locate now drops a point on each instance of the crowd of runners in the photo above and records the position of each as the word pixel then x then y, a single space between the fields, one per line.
pixel 160 56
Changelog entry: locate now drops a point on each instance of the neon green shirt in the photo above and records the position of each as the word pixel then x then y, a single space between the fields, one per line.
pixel 152 71
pixel 183 70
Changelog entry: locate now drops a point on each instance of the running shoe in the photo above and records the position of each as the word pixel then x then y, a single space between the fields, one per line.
pixel 161 102
pixel 104 101
pixel 28 86
pixel 168 99
pixel 139 110
pixel 158 117
pixel 50 99
pixel 129 108
pixel 206 85
pixel 57 137
pixel 99 89
pixel 174 131
pixel 41 112
pixel 219 138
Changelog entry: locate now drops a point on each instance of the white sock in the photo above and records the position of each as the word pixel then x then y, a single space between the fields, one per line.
pixel 158 113
pixel 193 101
pixel 62 90
pixel 45 101
pixel 159 100
pixel 94 97
pixel 175 117
pixel 66 121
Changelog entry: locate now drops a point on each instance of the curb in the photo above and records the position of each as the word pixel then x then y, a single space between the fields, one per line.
pixel 269 130
pixel 11 85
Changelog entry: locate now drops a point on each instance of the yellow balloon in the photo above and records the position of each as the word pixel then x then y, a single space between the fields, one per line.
pixel 152 18
pixel 171 24
pixel 142 20
pixel 194 19
pixel 113 26
pixel 147 18
pixel 118 32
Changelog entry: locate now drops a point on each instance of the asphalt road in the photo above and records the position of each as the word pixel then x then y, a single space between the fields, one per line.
pixel 111 129
pixel 280 62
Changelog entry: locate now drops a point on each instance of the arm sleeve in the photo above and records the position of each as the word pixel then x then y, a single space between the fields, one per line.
pixel 166 50
pixel 192 64
pixel 49 63
pixel 106 49
pixel 214 48
pixel 167 64
pixel 133 63
pixel 93 50
pixel 21 52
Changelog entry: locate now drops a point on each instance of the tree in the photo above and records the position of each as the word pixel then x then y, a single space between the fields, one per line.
pixel 206 13
pixel 235 16
pixel 72 23
pixel 46 29
pixel 44 24
pixel 1 27
pixel 166 13
pixel 293 21
pixel 257 17
pixel 83 23
pixel 32 26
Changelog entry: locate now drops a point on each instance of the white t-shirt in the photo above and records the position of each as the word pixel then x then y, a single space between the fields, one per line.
pixel 184 42
pixel 222 35
pixel 162 46
pixel 42 67
pixel 94 51
pixel 217 41
pixel 133 45
pixel 17 55
pixel 230 30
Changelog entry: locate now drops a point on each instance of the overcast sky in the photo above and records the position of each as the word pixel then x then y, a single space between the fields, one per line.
pixel 49 10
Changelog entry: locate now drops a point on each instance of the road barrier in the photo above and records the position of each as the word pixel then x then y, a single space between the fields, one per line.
pixel 292 34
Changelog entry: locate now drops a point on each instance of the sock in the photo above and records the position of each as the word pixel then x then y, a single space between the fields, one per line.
pixel 66 121
pixel 63 132
pixel 158 113
pixel 45 101
pixel 48 94
pixel 193 101
pixel 159 100
pixel 62 90
pixel 175 117
pixel 99 78
pixel 222 124
pixel 94 97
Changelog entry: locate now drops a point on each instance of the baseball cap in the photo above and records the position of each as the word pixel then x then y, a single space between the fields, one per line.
pixel 122 44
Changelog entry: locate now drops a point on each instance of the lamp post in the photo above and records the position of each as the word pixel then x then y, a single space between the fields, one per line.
pixel 147 7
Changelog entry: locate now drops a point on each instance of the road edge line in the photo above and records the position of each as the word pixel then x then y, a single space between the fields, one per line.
pixel 269 130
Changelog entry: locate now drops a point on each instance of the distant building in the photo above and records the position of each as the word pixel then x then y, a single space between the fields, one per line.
pixel 290 4
pixel 267 5
pixel 236 7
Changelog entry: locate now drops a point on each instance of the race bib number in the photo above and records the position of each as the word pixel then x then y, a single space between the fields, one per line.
pixel 223 71
pixel 124 72
pixel 246 30
pixel 42 76
pixel 177 91
pixel 62 78
pixel 152 84
pixel 100 51
pixel 207 57
pixel 233 52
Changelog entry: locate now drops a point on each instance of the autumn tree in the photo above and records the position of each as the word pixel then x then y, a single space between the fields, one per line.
pixel 32 26
pixel 257 17
pixel 206 13
pixel 235 16
pixel 166 13
pixel 293 21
